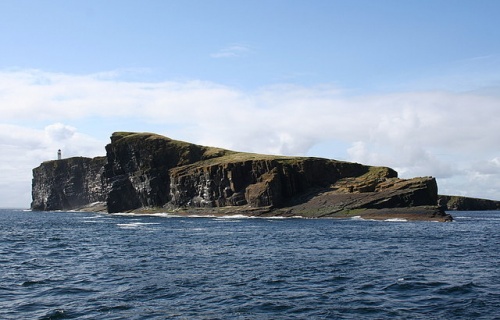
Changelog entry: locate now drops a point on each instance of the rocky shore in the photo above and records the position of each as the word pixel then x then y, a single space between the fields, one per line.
pixel 145 172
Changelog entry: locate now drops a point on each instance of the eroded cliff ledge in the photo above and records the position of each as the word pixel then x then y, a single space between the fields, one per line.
pixel 145 172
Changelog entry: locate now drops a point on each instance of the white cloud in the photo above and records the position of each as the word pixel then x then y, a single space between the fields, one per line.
pixel 59 132
pixel 232 51
pixel 25 148
pixel 443 134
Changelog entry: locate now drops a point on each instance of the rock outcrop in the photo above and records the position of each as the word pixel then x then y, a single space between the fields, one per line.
pixel 459 203
pixel 143 171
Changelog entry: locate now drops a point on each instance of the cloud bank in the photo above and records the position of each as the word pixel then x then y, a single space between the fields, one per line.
pixel 452 136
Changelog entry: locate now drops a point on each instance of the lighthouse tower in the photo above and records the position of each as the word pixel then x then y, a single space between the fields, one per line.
pixel 59 154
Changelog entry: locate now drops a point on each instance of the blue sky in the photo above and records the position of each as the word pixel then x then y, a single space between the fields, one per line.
pixel 409 84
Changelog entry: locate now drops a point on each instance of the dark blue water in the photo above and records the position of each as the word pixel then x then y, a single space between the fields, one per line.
pixel 66 265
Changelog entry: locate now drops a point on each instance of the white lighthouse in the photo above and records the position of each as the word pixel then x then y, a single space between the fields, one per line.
pixel 59 154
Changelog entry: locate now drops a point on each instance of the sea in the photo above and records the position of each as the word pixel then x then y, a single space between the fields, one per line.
pixel 83 265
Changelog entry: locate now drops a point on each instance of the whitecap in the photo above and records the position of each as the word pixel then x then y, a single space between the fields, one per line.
pixel 200 216
pixel 396 220
pixel 123 214
pixel 165 215
pixel 236 216
pixel 134 225
pixel 357 218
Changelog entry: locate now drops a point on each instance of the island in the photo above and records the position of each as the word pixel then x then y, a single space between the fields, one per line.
pixel 461 203
pixel 146 172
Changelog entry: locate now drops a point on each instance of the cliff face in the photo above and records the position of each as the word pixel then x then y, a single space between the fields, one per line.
pixel 138 168
pixel 143 170
pixel 256 180
pixel 68 184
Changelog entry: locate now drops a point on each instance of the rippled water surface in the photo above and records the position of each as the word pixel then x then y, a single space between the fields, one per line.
pixel 66 265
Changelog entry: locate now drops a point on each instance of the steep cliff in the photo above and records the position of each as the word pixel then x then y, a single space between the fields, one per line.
pixel 138 168
pixel 147 171
pixel 68 184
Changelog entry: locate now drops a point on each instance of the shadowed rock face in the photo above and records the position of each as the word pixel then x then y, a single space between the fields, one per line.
pixel 143 170
pixel 138 168
pixel 255 180
pixel 69 183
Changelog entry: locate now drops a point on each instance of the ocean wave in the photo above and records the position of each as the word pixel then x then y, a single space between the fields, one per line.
pixel 236 216
pixel 396 220
pixel 133 225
